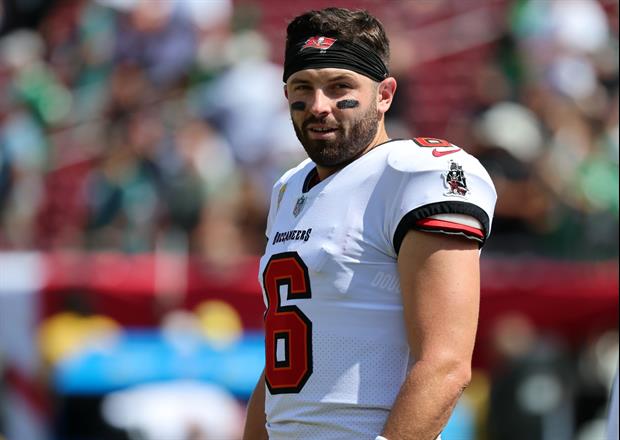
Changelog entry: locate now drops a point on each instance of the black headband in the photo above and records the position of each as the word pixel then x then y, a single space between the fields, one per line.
pixel 322 52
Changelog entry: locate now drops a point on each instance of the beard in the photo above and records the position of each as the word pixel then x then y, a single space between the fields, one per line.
pixel 348 145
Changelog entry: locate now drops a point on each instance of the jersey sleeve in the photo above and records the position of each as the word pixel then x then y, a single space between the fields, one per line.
pixel 440 191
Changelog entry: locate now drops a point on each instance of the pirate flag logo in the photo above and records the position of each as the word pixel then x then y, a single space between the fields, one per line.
pixel 455 181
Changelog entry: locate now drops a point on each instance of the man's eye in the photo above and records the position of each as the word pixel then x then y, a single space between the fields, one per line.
pixel 302 88
pixel 343 86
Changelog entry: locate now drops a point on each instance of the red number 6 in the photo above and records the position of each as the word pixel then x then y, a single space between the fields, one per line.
pixel 288 332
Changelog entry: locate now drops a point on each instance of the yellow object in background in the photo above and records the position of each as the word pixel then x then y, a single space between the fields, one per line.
pixel 67 333
pixel 220 323
pixel 477 395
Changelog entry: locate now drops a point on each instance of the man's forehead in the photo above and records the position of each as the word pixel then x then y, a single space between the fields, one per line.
pixel 325 74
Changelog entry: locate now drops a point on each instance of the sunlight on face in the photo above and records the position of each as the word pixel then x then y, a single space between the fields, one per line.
pixel 333 136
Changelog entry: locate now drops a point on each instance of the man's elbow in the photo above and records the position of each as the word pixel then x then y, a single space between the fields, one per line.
pixel 453 371
pixel 462 376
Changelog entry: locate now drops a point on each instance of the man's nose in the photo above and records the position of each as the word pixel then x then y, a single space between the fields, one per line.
pixel 321 104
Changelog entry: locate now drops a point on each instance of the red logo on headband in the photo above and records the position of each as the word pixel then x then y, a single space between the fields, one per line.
pixel 322 43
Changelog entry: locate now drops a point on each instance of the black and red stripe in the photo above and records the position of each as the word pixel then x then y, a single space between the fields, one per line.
pixel 421 219
pixel 432 224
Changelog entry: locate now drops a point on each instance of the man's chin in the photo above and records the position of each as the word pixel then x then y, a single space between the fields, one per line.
pixel 331 161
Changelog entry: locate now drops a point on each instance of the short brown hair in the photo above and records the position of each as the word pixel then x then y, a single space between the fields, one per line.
pixel 355 26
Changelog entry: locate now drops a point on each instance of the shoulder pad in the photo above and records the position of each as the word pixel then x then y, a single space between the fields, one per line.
pixel 434 147
pixel 422 153
pixel 403 159
pixel 290 173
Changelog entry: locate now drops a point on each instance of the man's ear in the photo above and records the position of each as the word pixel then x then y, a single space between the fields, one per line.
pixel 385 94
pixel 285 92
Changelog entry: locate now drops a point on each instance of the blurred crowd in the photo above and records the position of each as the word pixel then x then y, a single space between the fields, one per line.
pixel 138 125
pixel 549 127
pixel 131 127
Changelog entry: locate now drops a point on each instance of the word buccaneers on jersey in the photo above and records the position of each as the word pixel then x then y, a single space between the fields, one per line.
pixel 335 342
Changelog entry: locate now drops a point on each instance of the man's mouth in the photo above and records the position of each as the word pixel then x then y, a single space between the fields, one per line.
pixel 321 133
pixel 322 129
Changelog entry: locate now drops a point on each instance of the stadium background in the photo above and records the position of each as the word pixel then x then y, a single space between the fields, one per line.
pixel 138 144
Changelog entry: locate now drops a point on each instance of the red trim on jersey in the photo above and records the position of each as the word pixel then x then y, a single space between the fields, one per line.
pixel 29 389
pixel 451 226
pixel 432 142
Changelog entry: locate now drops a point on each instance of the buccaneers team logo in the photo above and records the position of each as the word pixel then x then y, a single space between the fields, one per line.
pixel 322 43
pixel 455 181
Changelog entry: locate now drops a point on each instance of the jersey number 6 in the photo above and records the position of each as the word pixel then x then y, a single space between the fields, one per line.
pixel 288 332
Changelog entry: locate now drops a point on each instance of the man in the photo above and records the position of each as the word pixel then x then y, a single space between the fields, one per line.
pixel 371 271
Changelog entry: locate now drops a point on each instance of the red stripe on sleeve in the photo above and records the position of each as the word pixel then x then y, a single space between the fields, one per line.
pixel 449 226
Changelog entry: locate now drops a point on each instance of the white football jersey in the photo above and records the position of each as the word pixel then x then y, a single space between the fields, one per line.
pixel 335 341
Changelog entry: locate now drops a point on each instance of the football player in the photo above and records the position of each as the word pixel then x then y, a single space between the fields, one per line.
pixel 371 272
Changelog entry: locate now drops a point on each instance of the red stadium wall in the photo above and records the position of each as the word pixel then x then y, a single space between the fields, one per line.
pixel 573 300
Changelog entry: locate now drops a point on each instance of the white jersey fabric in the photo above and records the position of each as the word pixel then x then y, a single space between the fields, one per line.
pixel 336 346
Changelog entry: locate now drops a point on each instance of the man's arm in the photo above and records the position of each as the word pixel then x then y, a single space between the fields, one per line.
pixel 440 282
pixel 255 417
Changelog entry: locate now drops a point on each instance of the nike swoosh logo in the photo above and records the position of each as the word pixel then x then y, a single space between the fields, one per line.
pixel 438 153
